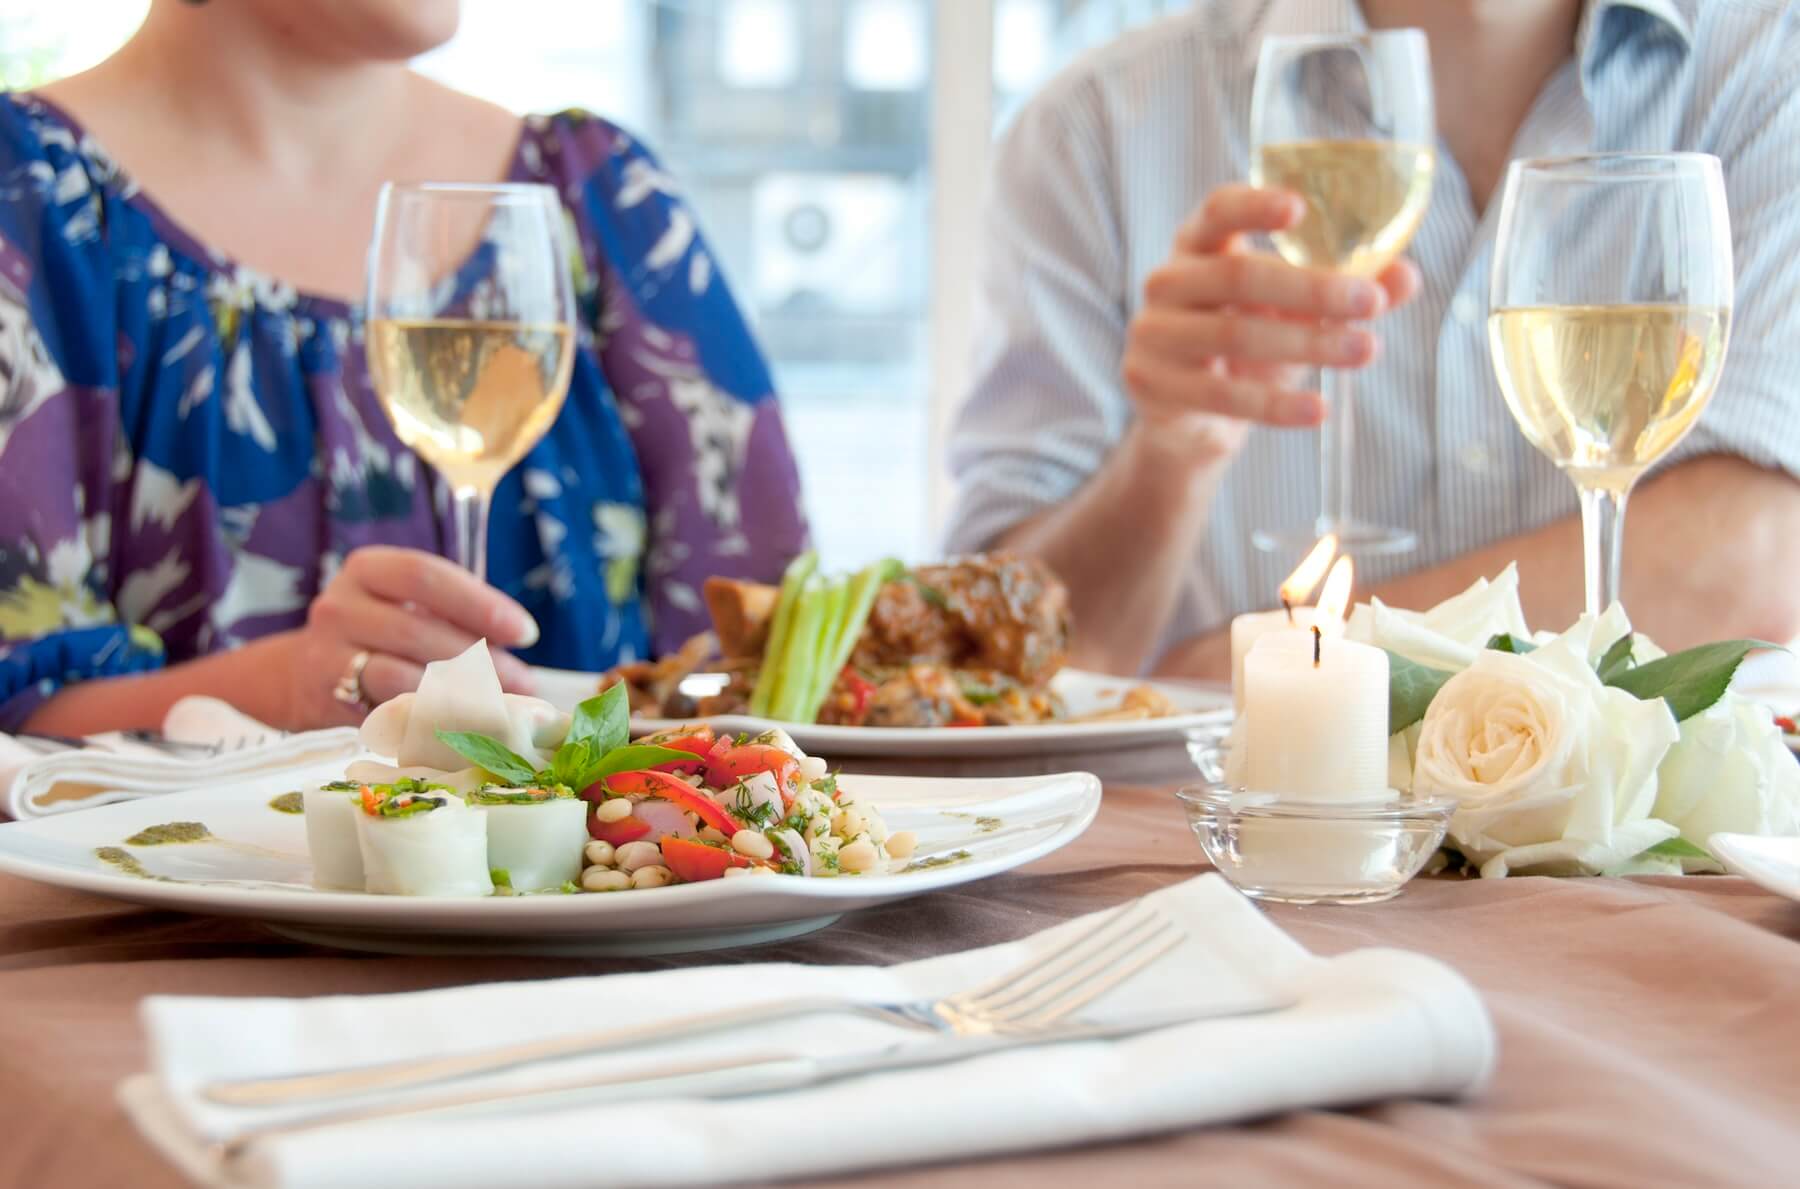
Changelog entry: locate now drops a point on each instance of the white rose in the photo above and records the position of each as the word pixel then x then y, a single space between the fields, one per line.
pixel 1730 773
pixel 1553 772
pixel 1453 633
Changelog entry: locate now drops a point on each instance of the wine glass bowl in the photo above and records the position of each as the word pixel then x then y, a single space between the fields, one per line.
pixel 470 335
pixel 1610 317
pixel 1347 123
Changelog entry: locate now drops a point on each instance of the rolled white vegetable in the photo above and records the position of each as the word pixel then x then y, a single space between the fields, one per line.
pixel 537 837
pixel 331 813
pixel 424 842
pixel 374 772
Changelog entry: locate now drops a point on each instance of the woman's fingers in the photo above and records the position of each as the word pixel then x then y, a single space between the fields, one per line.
pixel 386 677
pixel 363 621
pixel 442 589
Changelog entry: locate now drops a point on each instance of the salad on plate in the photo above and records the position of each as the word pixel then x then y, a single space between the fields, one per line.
pixel 494 793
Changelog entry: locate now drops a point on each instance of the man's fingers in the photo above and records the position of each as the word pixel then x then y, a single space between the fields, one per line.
pixel 1210 281
pixel 1198 336
pixel 1234 210
pixel 386 677
pixel 1401 280
pixel 443 589
pixel 1161 385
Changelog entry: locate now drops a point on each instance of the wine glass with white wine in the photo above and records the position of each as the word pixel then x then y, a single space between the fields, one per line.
pixel 1610 313
pixel 471 333
pixel 1347 123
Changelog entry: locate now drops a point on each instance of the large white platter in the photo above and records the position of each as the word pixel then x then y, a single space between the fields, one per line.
pixel 1082 693
pixel 258 868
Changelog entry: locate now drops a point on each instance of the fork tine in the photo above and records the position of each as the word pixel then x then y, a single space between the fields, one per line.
pixel 1050 984
pixel 1049 1008
pixel 1048 964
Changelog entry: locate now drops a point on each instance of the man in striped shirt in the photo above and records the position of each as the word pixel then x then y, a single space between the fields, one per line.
pixel 1134 425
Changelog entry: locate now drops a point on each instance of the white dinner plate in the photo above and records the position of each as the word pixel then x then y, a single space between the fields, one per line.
pixel 1769 863
pixel 1082 693
pixel 256 866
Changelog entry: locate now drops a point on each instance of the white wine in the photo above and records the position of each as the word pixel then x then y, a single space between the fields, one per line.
pixel 1364 199
pixel 471 397
pixel 1605 391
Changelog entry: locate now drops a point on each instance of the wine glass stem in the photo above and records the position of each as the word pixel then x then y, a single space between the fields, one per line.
pixel 1337 447
pixel 469 521
pixel 1603 537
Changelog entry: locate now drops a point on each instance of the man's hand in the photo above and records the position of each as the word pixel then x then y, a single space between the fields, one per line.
pixel 1225 335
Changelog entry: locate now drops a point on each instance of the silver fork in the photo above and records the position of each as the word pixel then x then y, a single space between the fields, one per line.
pixel 1033 997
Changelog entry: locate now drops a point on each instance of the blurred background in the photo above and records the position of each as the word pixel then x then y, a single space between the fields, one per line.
pixel 836 151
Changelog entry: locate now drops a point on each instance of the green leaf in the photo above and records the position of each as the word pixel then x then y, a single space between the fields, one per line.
pixel 634 757
pixel 1617 659
pixel 1506 642
pixel 605 720
pixel 490 754
pixel 1411 686
pixel 1679 848
pixel 500 877
pixel 1688 681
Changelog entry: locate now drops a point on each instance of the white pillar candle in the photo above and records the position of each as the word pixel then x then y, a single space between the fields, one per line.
pixel 1247 629
pixel 1316 731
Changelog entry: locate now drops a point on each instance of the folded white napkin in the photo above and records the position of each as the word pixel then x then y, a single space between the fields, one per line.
pixel 1364 1026
pixel 114 767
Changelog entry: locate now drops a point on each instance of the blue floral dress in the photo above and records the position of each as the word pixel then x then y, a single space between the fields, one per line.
pixel 189 449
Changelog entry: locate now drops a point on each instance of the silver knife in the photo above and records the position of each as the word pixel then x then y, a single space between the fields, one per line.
pixel 755 1073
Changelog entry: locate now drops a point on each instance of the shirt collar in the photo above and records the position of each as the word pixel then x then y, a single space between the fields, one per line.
pixel 1595 36
pixel 1601 30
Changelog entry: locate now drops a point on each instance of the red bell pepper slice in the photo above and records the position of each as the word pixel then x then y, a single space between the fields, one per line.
pixel 697 862
pixel 729 765
pixel 626 829
pixel 699 740
pixel 673 788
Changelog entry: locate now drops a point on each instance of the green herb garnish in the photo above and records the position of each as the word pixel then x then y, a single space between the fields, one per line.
pixel 753 811
pixel 502 877
pixel 597 746
pixel 509 796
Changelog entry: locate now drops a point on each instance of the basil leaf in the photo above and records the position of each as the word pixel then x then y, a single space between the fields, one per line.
pixel 1680 848
pixel 1506 642
pixel 633 758
pixel 490 754
pixel 1411 686
pixel 1689 681
pixel 1617 660
pixel 571 760
pixel 606 720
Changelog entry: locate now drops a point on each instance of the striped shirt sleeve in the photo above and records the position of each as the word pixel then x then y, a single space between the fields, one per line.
pixel 1046 404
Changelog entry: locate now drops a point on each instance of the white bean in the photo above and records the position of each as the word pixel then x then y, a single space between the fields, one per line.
pixel 902 844
pixel 613 809
pixel 601 879
pixel 651 877
pixel 858 856
pixel 634 855
pixel 850 824
pixel 812 768
pixel 737 872
pixel 752 844
pixel 599 854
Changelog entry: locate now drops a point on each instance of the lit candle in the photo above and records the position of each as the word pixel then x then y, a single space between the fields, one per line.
pixel 1316 708
pixel 1246 630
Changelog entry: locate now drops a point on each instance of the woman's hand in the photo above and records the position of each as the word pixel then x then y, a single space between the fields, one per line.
pixel 405 608
pixel 1225 335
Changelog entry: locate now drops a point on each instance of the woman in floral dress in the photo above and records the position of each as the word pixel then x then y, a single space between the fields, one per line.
pixel 198 490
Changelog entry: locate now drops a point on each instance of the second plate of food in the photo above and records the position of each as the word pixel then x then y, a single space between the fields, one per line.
pixel 1098 719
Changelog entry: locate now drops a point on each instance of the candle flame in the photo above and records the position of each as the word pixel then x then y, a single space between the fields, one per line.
pixel 1334 600
pixel 1305 578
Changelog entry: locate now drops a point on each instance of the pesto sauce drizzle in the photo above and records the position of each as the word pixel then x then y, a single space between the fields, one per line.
pixel 170 832
pixel 288 803
pixel 954 857
pixel 126 863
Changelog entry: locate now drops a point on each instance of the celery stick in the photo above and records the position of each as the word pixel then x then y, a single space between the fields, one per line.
pixel 858 599
pixel 837 600
pixel 792 582
pixel 801 655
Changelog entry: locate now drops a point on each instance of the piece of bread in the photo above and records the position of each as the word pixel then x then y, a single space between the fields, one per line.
pixel 741 613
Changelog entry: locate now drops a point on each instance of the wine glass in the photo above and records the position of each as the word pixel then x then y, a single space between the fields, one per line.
pixel 471 333
pixel 1346 122
pixel 1610 311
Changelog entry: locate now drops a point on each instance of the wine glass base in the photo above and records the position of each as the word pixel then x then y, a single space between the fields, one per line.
pixel 1356 537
